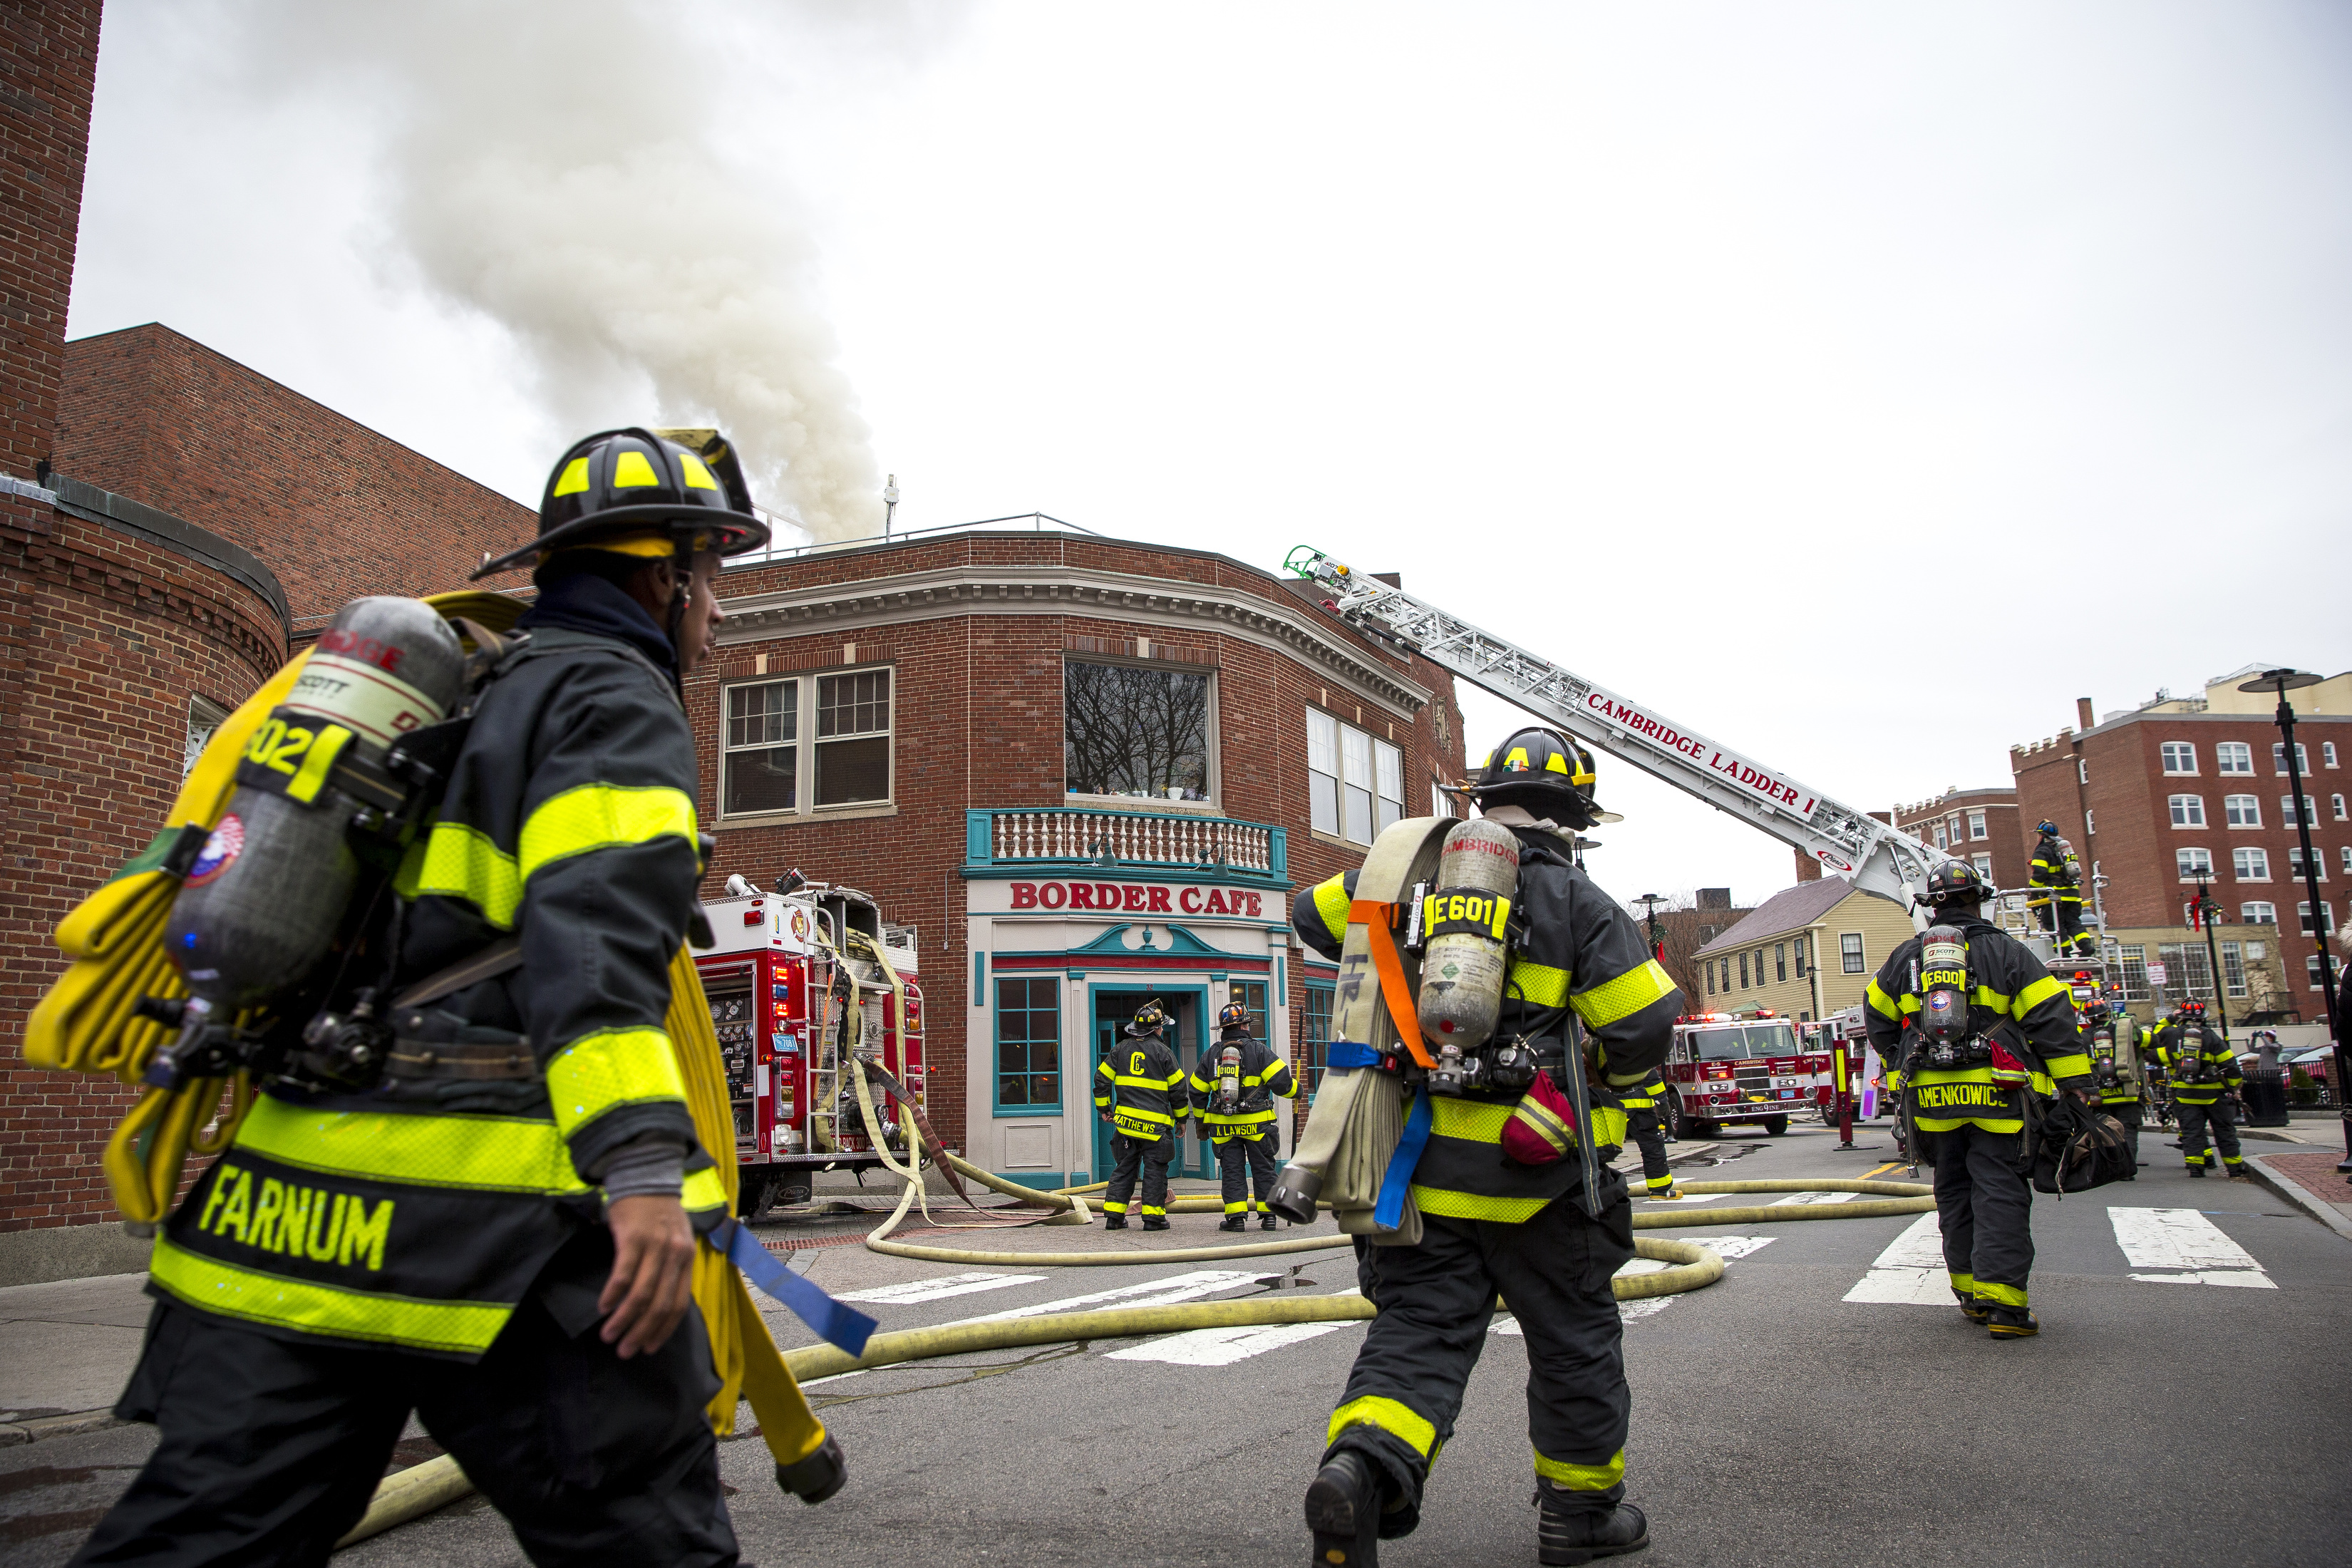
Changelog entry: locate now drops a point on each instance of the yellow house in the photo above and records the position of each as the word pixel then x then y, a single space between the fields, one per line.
pixel 1806 952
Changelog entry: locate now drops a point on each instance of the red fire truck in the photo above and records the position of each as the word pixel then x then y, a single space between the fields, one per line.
pixel 798 980
pixel 1724 1070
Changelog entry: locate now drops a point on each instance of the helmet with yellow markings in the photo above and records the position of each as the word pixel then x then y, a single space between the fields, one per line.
pixel 650 493
pixel 1543 772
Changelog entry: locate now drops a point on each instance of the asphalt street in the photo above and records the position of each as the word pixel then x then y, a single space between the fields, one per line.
pixel 2186 1402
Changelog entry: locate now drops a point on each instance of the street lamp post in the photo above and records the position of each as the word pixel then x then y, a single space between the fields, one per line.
pixel 1650 902
pixel 2206 909
pixel 2283 681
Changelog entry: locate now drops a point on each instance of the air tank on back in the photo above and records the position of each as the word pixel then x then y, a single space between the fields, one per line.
pixel 1462 966
pixel 267 895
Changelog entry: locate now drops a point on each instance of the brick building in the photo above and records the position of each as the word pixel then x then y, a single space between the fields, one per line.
pixel 1087 770
pixel 1981 826
pixel 2152 797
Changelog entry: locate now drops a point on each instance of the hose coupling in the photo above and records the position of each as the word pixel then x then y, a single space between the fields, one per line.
pixel 817 1475
pixel 1294 1193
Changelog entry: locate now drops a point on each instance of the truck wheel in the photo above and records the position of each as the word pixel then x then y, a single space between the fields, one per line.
pixel 795 1194
pixel 1775 1126
pixel 754 1195
pixel 1673 1117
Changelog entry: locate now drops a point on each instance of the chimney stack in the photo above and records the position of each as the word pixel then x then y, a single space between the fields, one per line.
pixel 2083 715
pixel 1808 868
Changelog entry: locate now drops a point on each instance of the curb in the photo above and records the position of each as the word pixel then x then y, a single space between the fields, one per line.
pixel 16 1433
pixel 2293 1192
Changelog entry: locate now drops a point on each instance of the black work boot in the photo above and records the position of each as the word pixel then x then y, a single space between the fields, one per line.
pixel 1343 1510
pixel 2196 1172
pixel 1564 1536
pixel 1235 1222
pixel 1976 1311
pixel 2013 1323
pixel 1267 1222
pixel 1114 1222
pixel 1155 1222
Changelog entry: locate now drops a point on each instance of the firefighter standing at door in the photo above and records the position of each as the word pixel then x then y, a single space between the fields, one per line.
pixel 499 1234
pixel 1501 1192
pixel 2204 1074
pixel 1140 1091
pixel 1233 1095
pixel 1978 1024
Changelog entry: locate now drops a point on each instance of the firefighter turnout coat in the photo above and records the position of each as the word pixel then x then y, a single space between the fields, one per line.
pixel 417 1214
pixel 2056 873
pixel 1141 1086
pixel 2199 1061
pixel 2008 987
pixel 1265 1076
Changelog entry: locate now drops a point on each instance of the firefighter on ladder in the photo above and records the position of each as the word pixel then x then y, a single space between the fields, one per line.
pixel 2056 894
pixel 1492 1225
pixel 1233 1095
pixel 1141 1092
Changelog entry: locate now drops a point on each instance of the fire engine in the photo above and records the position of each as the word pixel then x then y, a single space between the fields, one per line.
pixel 1725 1070
pixel 797 980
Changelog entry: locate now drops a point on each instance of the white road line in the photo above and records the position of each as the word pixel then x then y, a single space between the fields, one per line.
pixel 1165 1292
pixel 1729 1247
pixel 2189 1248
pixel 1910 1272
pixel 1684 1201
pixel 1223 1347
pixel 939 1290
pixel 1799 1200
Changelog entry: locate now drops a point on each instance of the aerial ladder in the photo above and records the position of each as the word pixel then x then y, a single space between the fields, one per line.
pixel 1849 843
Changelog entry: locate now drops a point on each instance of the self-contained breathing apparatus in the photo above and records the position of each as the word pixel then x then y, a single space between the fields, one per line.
pixel 1943 1036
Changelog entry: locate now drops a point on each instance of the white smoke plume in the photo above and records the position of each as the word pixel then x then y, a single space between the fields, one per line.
pixel 559 166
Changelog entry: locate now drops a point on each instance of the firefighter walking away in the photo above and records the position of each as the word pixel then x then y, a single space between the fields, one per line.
pixel 1979 1025
pixel 2205 1082
pixel 1233 1095
pixel 1142 1093
pixel 1513 1186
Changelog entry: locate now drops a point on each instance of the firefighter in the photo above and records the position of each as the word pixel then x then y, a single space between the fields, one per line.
pixel 2204 1073
pixel 1140 1091
pixel 2115 1073
pixel 1969 1117
pixel 1644 1125
pixel 2056 895
pixel 1233 1095
pixel 1520 1229
pixel 501 1234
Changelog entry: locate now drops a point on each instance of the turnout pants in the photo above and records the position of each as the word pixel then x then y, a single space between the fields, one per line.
pixel 270 1448
pixel 2126 1111
pixel 1435 1301
pixel 1985 1208
pixel 1244 1163
pixel 1645 1128
pixel 1151 1156
pixel 2194 1120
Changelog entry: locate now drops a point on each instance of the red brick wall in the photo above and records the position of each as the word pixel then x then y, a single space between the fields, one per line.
pixel 48 64
pixel 103 640
pixel 334 509
pixel 2010 847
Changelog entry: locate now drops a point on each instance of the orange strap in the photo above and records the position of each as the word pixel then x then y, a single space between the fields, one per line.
pixel 1376 919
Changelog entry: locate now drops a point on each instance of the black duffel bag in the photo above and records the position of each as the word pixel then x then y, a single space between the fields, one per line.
pixel 2072 1148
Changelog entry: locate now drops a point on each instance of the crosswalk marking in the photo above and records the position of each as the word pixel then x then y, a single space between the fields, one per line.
pixel 908 1292
pixel 1223 1347
pixel 1165 1292
pixel 1801 1200
pixel 2187 1247
pixel 1910 1272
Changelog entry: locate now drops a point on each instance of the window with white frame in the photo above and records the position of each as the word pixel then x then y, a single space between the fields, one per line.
pixel 1440 803
pixel 206 716
pixel 1953 822
pixel 803 743
pixel 2328 753
pixel 2243 810
pixel 2134 958
pixel 2286 811
pixel 2187 969
pixel 1977 825
pixel 2234 969
pixel 2302 917
pixel 1940 841
pixel 2294 864
pixel 1983 863
pixel 2082 769
pixel 2188 810
pixel 2233 757
pixel 2348 859
pixel 1136 731
pixel 2312 975
pixel 1743 972
pixel 2193 863
pixel 1800 946
pixel 2278 757
pixel 2250 863
pixel 1850 959
pixel 2090 822
pixel 1355 782
pixel 2258 913
pixel 2336 804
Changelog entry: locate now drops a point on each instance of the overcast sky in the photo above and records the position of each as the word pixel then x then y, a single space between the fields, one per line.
pixel 1858 384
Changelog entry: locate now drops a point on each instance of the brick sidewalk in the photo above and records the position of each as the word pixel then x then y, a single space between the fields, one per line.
pixel 2314 1173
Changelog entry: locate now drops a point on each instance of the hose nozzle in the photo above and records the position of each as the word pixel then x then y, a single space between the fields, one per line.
pixel 1294 1193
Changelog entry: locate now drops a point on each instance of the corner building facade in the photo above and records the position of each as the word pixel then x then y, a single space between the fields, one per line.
pixel 1088 773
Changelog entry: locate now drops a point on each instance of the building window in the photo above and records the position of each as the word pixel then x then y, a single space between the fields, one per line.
pixel 2286 811
pixel 1800 957
pixel 2302 917
pixel 2258 913
pixel 2327 752
pixel 1355 782
pixel 1977 825
pixel 2186 971
pixel 1983 863
pixel 2082 769
pixel 2335 802
pixel 2188 811
pixel 1850 951
pixel 2090 823
pixel 2294 864
pixel 2193 863
pixel 2278 757
pixel 1779 960
pixel 1251 994
pixel 2241 810
pixel 2249 864
pixel 1941 843
pixel 853 738
pixel 1726 978
pixel 2311 971
pixel 1314 1034
pixel 1440 803
pixel 1953 822
pixel 1743 972
pixel 759 766
pixel 2234 969
pixel 1710 977
pixel 1028 1047
pixel 2347 858
pixel 2134 958
pixel 2233 757
pixel 205 717
pixel 1129 730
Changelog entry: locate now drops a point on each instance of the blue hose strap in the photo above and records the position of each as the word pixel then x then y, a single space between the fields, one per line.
pixel 844 1328
pixel 1388 1213
pixel 1347 1054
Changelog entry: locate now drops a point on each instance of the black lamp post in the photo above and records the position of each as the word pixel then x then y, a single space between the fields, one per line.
pixel 2283 681
pixel 2207 910
pixel 1650 902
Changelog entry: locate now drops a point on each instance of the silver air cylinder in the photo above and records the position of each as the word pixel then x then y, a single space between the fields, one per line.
pixel 266 898
pixel 1462 968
